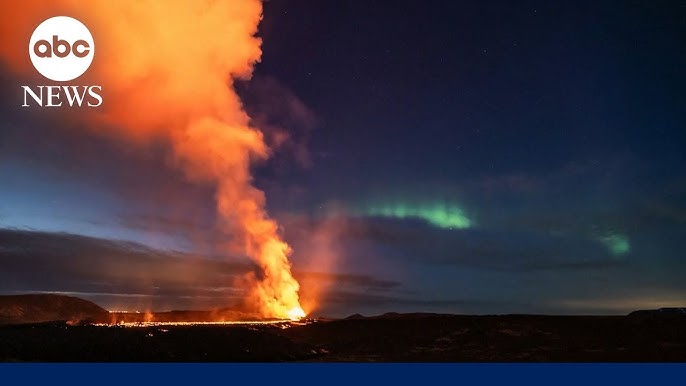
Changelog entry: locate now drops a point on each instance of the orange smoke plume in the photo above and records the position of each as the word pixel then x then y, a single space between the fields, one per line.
pixel 167 70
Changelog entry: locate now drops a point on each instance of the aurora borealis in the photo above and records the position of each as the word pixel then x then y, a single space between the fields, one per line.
pixel 438 214
pixel 617 243
pixel 458 157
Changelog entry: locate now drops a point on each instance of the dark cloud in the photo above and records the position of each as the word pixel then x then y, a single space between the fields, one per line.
pixel 364 282
pixel 65 262
pixel 339 302
pixel 480 248
pixel 164 224
pixel 361 300
pixel 121 274
pixel 203 237
pixel 284 118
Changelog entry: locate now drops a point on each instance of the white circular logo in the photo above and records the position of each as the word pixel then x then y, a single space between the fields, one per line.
pixel 61 48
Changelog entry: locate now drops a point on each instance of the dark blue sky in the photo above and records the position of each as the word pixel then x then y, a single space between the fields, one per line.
pixel 476 157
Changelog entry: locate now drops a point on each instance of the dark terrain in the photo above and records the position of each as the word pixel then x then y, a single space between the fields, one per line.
pixel 47 307
pixel 642 336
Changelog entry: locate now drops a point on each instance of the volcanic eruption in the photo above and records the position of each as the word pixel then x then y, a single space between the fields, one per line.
pixel 167 71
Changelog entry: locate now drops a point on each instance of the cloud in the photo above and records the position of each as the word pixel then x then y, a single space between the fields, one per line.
pixel 363 282
pixel 201 234
pixel 359 300
pixel 124 275
pixel 281 115
pixel 501 250
pixel 66 262
pixel 343 303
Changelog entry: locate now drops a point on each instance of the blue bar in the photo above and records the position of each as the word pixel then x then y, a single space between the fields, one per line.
pixel 350 374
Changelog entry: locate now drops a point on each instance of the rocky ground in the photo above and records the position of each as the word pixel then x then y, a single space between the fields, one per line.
pixel 391 337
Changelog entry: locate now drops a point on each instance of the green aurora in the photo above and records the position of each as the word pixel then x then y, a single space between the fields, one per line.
pixel 438 214
pixel 451 216
pixel 616 243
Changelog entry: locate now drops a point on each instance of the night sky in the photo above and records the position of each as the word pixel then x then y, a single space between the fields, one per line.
pixel 462 157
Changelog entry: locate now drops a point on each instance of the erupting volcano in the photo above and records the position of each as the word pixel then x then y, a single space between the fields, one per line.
pixel 167 72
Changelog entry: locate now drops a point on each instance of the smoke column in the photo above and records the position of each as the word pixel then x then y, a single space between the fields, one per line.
pixel 167 71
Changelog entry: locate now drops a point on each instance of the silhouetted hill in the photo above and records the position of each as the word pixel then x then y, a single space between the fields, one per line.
pixel 16 309
pixel 667 311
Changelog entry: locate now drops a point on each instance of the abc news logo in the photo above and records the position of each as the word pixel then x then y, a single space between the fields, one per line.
pixel 61 49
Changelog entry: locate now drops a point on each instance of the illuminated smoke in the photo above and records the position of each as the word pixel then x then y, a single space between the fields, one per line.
pixel 167 71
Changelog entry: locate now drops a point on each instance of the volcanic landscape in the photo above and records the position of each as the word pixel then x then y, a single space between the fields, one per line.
pixel 56 328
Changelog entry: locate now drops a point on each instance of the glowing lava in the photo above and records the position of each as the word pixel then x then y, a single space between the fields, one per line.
pixel 296 313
